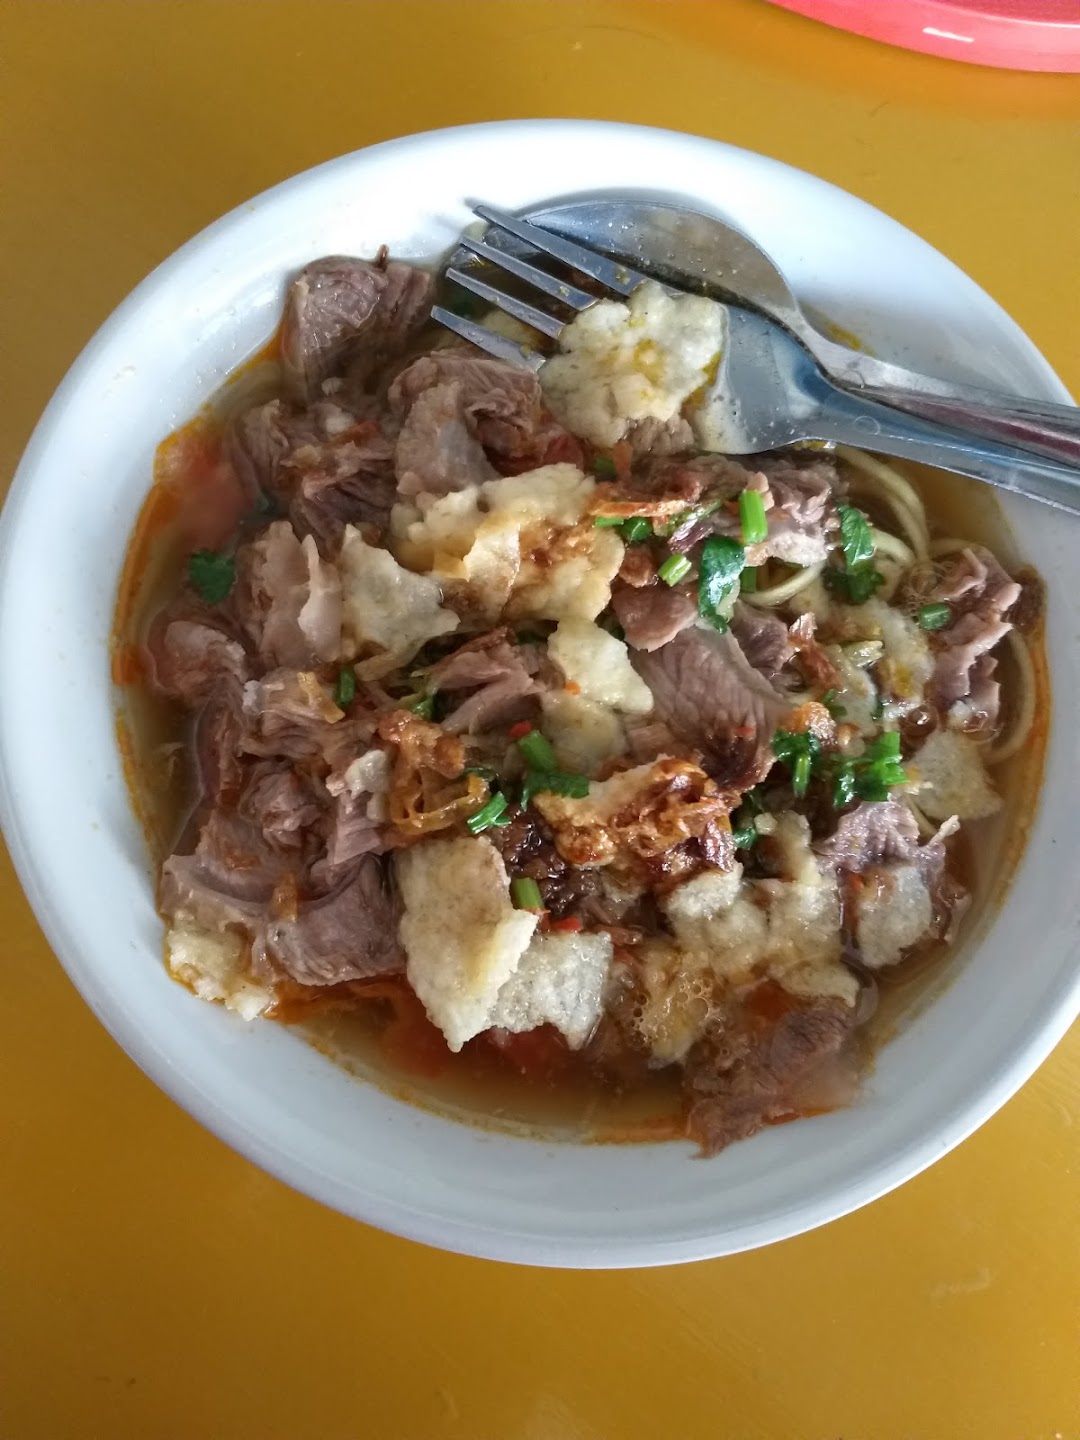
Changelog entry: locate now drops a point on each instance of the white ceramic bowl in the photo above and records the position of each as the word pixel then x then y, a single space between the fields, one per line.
pixel 80 854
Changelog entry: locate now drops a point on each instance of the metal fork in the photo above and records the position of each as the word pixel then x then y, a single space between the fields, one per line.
pixel 769 390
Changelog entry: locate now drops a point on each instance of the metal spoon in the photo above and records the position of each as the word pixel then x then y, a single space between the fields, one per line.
pixel 701 252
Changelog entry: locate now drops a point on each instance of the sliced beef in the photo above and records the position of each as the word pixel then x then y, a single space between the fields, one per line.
pixel 1030 607
pixel 350 483
pixel 258 441
pixel 501 677
pixel 502 406
pixel 798 497
pixel 289 714
pixel 983 699
pixel 283 805
pixel 763 638
pixel 326 466
pixel 342 313
pixel 638 566
pixel 351 934
pixel 354 832
pixel 811 658
pixel 763 1067
pixel 231 876
pixel 871 834
pixel 879 834
pixel 980 595
pixel 186 891
pixel 652 615
pixel 438 449
pixel 802 512
pixel 649 738
pixel 358 824
pixel 190 659
pixel 883 868
pixel 288 598
pixel 713 700
pixel 659 438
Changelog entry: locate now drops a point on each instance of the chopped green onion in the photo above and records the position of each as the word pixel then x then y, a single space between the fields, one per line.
pixel 345 689
pixel 639 528
pixel 885 747
pixel 751 806
pixel 604 466
pixel 212 575
pixel 745 836
pixel 557 782
pixel 424 707
pixel 537 751
pixel 872 775
pixel 844 787
pixel 935 617
pixel 800 774
pixel 607 522
pixel 755 527
pixel 798 750
pixel 748 581
pixel 720 568
pixel 674 569
pixel 525 894
pixel 487 815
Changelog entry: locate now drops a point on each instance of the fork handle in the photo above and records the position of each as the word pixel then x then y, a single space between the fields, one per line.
pixel 851 419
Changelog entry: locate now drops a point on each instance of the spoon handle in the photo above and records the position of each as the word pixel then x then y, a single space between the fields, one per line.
pixel 854 420
pixel 1052 430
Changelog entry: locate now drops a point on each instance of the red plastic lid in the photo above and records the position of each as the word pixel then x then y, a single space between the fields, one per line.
pixel 1012 34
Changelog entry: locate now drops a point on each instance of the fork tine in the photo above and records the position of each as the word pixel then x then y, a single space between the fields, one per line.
pixel 498 345
pixel 538 279
pixel 528 314
pixel 611 273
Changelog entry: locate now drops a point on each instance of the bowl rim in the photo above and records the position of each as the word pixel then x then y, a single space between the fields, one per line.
pixel 1061 1006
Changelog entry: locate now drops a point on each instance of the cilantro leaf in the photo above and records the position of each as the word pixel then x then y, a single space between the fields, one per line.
pixel 856 537
pixel 722 562
pixel 212 575
pixel 857 580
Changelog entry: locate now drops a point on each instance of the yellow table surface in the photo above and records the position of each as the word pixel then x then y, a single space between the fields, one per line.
pixel 153 1284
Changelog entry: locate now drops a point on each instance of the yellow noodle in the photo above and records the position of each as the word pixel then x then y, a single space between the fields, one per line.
pixel 889 478
pixel 908 521
pixel 892 574
pixel 1024 719
pixel 899 494
pixel 949 546
pixel 777 594
pixel 893 547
